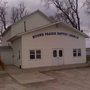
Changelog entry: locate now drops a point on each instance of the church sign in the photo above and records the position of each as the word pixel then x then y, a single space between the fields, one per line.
pixel 54 33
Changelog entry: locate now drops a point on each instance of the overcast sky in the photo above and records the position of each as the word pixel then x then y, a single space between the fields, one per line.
pixel 33 5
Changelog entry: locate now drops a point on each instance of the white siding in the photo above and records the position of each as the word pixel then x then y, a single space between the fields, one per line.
pixel 16 48
pixel 5 37
pixel 33 21
pixel 47 43
pixel 44 43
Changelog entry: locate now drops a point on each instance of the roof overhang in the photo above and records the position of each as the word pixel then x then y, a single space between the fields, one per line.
pixel 8 28
pixel 14 38
pixel 46 26
pixel 56 23
pixel 5 47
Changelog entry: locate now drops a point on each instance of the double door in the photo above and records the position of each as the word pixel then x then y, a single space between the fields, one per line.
pixel 58 56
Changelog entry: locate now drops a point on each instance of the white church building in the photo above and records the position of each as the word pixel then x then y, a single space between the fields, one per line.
pixel 36 41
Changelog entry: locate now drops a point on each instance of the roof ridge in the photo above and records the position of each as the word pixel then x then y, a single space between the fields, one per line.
pixel 42 13
pixel 32 14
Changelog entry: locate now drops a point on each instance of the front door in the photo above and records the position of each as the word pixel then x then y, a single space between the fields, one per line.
pixel 58 56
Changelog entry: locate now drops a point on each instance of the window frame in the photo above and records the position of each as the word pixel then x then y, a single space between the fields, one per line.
pixel 77 52
pixel 38 54
pixel 60 53
pixel 54 53
pixel 32 54
pixel 35 54
pixel 74 52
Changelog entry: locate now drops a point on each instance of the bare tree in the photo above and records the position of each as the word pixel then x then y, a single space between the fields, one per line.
pixel 3 13
pixel 67 11
pixel 61 17
pixel 14 15
pixel 18 12
pixel 22 10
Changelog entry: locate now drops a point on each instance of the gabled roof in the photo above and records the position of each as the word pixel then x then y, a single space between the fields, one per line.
pixel 46 26
pixel 37 11
pixel 42 27
pixel 8 28
pixel 25 17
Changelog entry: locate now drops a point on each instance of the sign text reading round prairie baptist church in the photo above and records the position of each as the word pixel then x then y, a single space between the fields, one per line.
pixel 54 33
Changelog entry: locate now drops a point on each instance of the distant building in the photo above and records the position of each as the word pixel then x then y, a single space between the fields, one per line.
pixel 88 51
pixel 37 42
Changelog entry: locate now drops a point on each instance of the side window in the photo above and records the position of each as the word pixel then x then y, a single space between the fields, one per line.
pixel 79 52
pixel 74 52
pixel 60 53
pixel 54 53
pixel 38 54
pixel 32 54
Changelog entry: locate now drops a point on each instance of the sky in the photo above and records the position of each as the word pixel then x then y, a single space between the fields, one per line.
pixel 33 5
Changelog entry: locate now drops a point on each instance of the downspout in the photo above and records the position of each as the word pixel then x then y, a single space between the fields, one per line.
pixel 24 26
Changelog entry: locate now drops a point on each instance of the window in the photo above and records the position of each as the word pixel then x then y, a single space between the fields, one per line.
pixel 79 52
pixel 35 54
pixel 38 54
pixel 74 52
pixel 60 53
pixel 32 54
pixel 57 53
pixel 54 53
